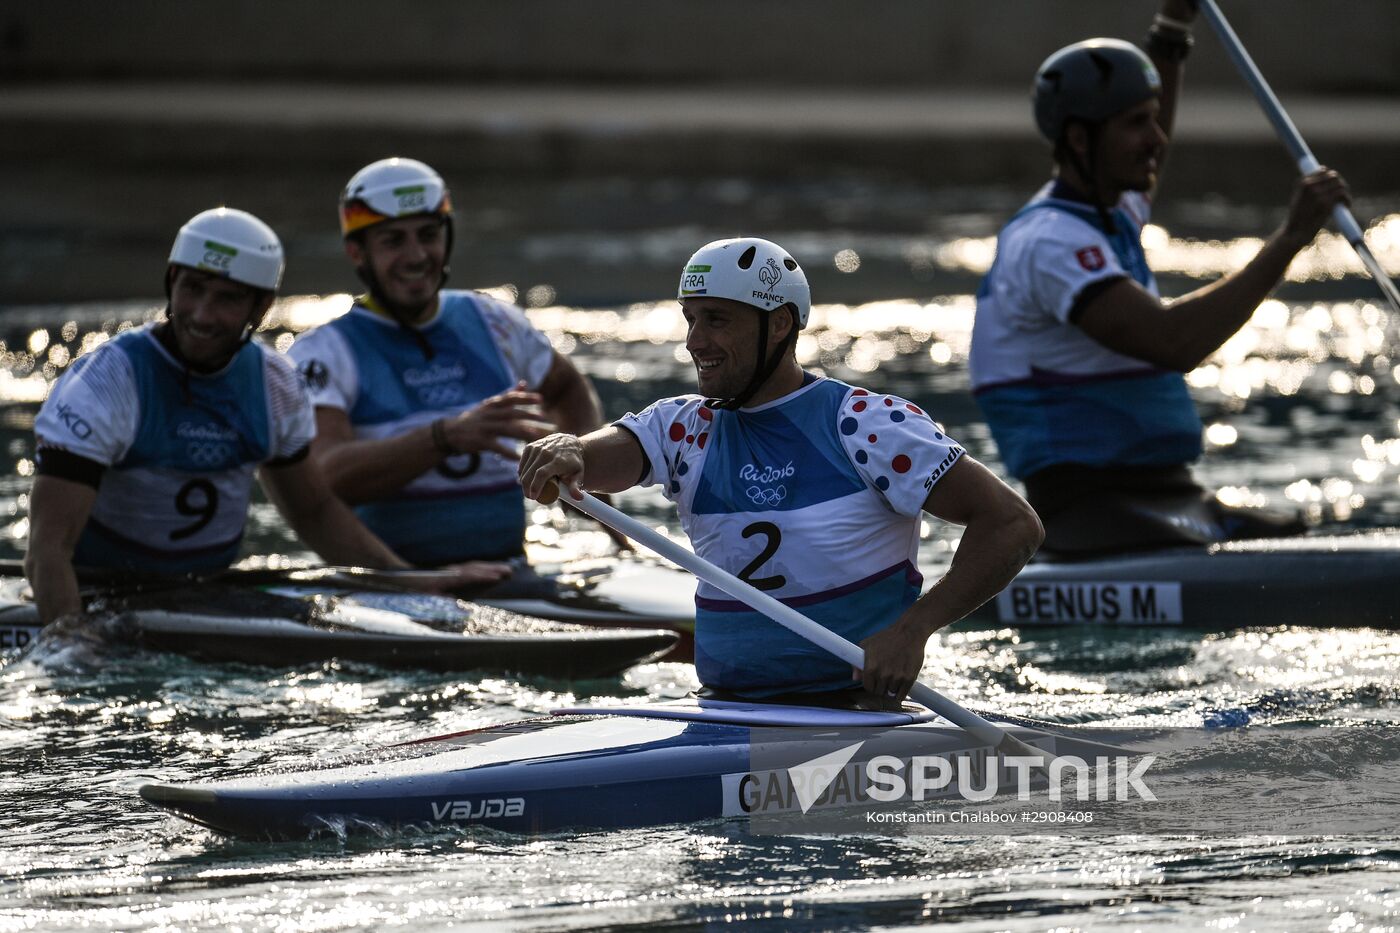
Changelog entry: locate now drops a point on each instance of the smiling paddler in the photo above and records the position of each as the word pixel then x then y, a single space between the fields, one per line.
pixel 807 488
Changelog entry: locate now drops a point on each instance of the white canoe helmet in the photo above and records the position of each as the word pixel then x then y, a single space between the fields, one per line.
pixel 231 243
pixel 390 189
pixel 757 273
pixel 750 270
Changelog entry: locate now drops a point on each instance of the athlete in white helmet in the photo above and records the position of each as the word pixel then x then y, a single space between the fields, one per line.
pixel 806 487
pixel 147 446
pixel 421 393
pixel 1076 362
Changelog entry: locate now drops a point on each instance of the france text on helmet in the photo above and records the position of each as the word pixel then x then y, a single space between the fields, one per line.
pixel 231 243
pixel 390 189
pixel 750 270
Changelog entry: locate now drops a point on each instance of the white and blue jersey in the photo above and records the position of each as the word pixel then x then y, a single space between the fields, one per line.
pixel 1050 393
pixel 814 498
pixel 180 448
pixel 388 381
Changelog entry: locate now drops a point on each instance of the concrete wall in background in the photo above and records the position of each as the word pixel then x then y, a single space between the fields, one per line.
pixel 952 43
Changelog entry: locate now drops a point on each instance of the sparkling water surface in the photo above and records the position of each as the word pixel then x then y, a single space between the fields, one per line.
pixel 1302 409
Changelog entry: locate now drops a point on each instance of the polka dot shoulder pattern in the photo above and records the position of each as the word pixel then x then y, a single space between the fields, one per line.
pixel 861 403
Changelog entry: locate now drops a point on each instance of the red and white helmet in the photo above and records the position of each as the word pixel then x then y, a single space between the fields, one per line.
pixel 390 189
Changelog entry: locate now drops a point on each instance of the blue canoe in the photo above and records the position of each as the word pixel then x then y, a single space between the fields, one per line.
pixel 583 768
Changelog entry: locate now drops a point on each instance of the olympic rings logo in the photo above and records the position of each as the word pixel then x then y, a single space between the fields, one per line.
pixel 208 454
pixel 442 396
pixel 769 497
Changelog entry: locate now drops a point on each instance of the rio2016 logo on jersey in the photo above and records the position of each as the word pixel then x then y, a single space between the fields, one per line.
pixel 764 492
pixel 438 386
pixel 192 431
pixel 754 474
pixel 208 446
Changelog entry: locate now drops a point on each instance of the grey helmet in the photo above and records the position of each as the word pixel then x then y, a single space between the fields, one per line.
pixel 1091 81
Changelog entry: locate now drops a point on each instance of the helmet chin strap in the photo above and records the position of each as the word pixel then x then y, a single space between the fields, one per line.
pixel 1085 167
pixel 401 313
pixel 764 367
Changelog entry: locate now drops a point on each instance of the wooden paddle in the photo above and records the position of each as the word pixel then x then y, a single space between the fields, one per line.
pixel 984 731
pixel 1293 141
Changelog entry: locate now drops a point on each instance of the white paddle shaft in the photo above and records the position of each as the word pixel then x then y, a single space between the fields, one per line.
pixel 1297 147
pixel 793 620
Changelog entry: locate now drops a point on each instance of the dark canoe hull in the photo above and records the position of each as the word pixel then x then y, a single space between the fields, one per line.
pixel 608 592
pixel 1345 581
pixel 421 633
pixel 590 769
pixel 570 654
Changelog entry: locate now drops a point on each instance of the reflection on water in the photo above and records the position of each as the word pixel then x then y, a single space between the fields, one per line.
pixel 1316 377
pixel 1300 407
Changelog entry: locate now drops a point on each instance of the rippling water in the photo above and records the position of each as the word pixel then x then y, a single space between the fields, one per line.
pixel 1302 408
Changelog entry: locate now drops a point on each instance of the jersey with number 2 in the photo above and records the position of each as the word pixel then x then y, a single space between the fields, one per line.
pixel 814 498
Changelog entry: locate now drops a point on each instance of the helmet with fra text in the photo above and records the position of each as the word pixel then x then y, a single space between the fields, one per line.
pixel 750 270
pixel 231 243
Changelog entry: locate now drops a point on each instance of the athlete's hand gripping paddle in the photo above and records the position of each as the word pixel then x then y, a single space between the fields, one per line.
pixel 794 621
pixel 1293 140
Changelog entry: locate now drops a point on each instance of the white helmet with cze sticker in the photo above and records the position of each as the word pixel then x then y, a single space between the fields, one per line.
pixel 233 244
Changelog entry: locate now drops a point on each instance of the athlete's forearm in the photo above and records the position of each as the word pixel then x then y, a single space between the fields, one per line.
pixel 58 512
pixel 321 519
pixel 577 413
pixel 1204 319
pixel 339 537
pixel 570 400
pixel 992 551
pixel 54 584
pixel 608 460
pixel 1172 28
pixel 995 546
pixel 364 470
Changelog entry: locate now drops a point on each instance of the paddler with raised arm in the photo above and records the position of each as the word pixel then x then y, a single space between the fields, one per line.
pixel 423 393
pixel 147 446
pixel 807 488
pixel 1076 362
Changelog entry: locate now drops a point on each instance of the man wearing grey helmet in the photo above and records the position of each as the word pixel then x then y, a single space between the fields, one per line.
pixel 148 444
pixel 807 488
pixel 1076 362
